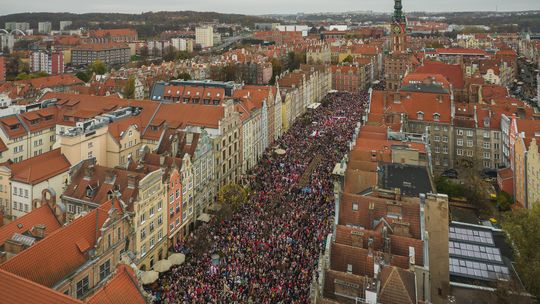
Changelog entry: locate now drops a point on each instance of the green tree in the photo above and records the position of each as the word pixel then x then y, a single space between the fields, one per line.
pixel 521 227
pixel 233 196
pixel 99 67
pixel 348 59
pixel 82 75
pixel 144 52
pixel 23 76
pixel 277 69
pixel 129 88
pixel 182 55
pixel 504 201
pixel 169 54
pixel 184 76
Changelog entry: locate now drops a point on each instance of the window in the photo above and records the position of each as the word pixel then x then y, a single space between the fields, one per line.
pixel 486 155
pixel 82 287
pixel 159 205
pixel 459 152
pixel 151 212
pixel 26 193
pixel 152 242
pixel 436 116
pixel 445 149
pixel 437 150
pixel 469 133
pixel 420 115
pixel 160 220
pixel 437 138
pixel 349 268
pixel 171 198
pixel 152 227
pixel 445 138
pixel 496 146
pixel 355 206
pixel 459 132
pixel 104 270
pixel 486 145
pixel 143 250
pixel 15 191
pixel 143 234
pixel 470 153
pixel 469 143
pixel 90 145
pixel 486 134
pixel 143 217
pixel 160 234
pixel 496 135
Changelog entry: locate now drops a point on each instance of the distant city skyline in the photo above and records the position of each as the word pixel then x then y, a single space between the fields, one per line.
pixel 250 7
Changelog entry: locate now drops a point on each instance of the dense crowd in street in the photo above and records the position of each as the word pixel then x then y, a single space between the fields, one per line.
pixel 270 247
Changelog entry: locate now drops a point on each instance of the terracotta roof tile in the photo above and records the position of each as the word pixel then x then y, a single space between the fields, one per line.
pixel 43 215
pixel 17 290
pixel 121 289
pixel 52 259
pixel 39 168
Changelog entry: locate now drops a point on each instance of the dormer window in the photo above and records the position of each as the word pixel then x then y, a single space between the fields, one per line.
pixel 436 116
pixel 420 115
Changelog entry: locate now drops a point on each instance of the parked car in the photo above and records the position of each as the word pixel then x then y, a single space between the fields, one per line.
pixel 450 173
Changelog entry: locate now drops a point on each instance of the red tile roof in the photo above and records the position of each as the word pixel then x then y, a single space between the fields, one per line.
pixel 55 257
pixel 18 290
pixel 101 46
pixel 398 286
pixel 43 215
pixel 121 289
pixel 452 72
pixel 39 168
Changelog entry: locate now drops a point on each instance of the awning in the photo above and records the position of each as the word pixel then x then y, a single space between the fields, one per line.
pixel 280 151
pixel 177 258
pixel 214 207
pixel 313 106
pixel 162 265
pixel 148 277
pixel 205 217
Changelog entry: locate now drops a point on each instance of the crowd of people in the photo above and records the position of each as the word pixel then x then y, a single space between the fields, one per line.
pixel 269 248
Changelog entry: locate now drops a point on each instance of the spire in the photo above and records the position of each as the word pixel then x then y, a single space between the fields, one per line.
pixel 398 13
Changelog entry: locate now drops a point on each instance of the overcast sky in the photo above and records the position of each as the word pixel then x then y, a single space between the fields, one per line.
pixel 258 6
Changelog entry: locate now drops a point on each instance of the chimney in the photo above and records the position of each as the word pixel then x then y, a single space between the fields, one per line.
pixel 39 230
pixel 370 246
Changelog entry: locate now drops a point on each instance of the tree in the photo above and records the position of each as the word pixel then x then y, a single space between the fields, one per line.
pixel 129 88
pixel 521 227
pixel 99 67
pixel 82 75
pixel 348 59
pixel 169 54
pixel 144 52
pixel 184 76
pixel 504 201
pixel 22 76
pixel 233 195
pixel 183 55
pixel 277 69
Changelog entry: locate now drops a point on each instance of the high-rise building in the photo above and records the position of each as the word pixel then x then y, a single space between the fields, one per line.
pixel 44 27
pixel 50 62
pixel 204 36
pixel 64 25
pixel 23 26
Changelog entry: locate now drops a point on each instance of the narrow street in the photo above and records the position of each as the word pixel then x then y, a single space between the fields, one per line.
pixel 269 249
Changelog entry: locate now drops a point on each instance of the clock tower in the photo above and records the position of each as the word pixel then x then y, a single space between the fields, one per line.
pixel 398 29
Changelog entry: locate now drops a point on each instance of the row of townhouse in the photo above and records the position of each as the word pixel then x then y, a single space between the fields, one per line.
pixel 81 261
pixel 459 134
pixel 302 88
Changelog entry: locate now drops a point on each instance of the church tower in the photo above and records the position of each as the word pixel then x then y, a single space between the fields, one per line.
pixel 398 29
